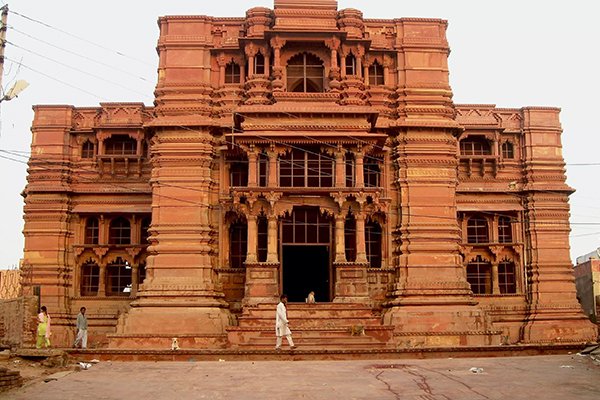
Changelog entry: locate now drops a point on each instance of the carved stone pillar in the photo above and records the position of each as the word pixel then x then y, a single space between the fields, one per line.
pixel 252 239
pixel 360 171
pixel 340 246
pixel 252 167
pixel 272 240
pixel 102 279
pixel 134 279
pixel 272 180
pixel 340 170
pixel 495 281
pixel 361 254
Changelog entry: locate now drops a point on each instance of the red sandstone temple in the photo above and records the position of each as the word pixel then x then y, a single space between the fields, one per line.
pixel 296 149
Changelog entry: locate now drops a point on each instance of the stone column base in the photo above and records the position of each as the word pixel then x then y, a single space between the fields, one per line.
pixel 351 285
pixel 441 326
pixel 555 325
pixel 262 283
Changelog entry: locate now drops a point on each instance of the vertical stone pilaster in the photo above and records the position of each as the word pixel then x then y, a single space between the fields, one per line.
pixel 251 257
pixel 272 240
pixel 361 253
pixel 340 247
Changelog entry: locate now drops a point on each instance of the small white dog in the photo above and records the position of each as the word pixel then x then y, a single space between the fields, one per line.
pixel 175 344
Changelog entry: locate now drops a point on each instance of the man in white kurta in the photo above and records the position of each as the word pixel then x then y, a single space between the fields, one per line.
pixel 281 324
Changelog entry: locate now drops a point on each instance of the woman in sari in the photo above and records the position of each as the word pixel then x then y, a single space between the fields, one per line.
pixel 43 329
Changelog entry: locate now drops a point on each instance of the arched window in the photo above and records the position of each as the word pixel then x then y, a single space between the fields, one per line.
pixel 144 230
pixel 475 146
pixel 305 168
pixel 504 230
pixel 373 243
pixel 371 171
pixel 350 238
pixel 262 238
pixel 259 64
pixel 232 73
pixel 479 275
pixel 508 150
pixel 351 65
pixel 305 73
pixel 477 230
pixel 118 277
pixel 376 74
pixel 506 277
pixel 91 230
pixel 87 149
pixel 120 145
pixel 238 244
pixel 350 175
pixel 120 231
pixel 90 278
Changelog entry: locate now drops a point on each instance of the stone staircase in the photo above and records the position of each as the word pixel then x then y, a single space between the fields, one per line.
pixel 321 326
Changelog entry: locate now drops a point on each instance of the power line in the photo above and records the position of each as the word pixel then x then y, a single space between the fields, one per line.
pixel 79 38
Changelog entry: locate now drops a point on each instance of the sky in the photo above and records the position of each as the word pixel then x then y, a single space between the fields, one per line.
pixel 512 53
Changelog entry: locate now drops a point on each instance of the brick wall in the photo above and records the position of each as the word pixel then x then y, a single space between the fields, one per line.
pixel 18 321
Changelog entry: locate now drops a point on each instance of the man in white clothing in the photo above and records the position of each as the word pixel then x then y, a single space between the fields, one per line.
pixel 82 326
pixel 281 324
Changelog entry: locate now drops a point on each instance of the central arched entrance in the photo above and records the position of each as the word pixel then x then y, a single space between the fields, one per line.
pixel 306 250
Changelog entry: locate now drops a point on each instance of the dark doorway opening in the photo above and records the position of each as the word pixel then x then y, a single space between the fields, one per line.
pixel 305 269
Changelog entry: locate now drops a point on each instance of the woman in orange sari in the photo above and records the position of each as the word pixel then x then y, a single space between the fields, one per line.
pixel 43 329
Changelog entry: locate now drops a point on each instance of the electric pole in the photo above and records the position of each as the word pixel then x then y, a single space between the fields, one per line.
pixel 3 42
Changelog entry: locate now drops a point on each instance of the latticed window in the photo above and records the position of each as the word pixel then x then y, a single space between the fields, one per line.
pixel 373 243
pixel 118 278
pixel 90 278
pixel 507 277
pixel 263 169
pixel 238 244
pixel 372 171
pixel 305 168
pixel 306 225
pixel 259 64
pixel 120 231
pixel 477 230
pixel 305 73
pixel 350 238
pixel 508 150
pixel 91 230
pixel 120 145
pixel 475 146
pixel 262 238
pixel 87 149
pixel 232 73
pixel 238 174
pixel 376 74
pixel 350 176
pixel 144 234
pixel 504 230
pixel 479 275
pixel 351 65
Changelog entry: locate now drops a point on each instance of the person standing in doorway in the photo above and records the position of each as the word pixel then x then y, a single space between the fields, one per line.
pixel 281 324
pixel 43 329
pixel 82 326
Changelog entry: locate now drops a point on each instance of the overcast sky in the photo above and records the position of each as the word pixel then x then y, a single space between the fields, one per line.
pixel 510 53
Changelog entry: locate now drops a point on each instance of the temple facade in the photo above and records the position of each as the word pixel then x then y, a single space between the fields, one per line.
pixel 296 149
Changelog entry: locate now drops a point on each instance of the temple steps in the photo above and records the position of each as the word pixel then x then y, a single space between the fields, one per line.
pixel 322 326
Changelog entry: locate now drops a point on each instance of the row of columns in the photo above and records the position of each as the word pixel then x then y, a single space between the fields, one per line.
pixel 273 156
pixel 272 230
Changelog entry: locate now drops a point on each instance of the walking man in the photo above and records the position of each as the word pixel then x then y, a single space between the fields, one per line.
pixel 281 324
pixel 82 326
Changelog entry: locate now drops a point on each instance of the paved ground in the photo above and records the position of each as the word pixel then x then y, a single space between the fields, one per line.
pixel 541 377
